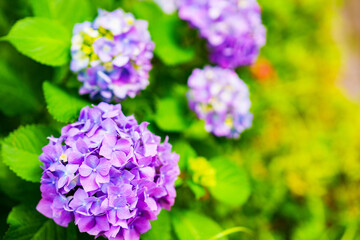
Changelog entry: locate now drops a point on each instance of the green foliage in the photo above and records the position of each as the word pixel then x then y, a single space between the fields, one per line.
pixel 162 29
pixel 43 40
pixel 192 225
pixel 103 4
pixel 15 93
pixel 160 228
pixel 196 130
pixel 232 185
pixel 231 231
pixel 293 175
pixel 21 150
pixel 170 115
pixel 61 105
pixel 16 188
pixel 197 189
pixel 27 224
pixel 185 151
pixel 67 12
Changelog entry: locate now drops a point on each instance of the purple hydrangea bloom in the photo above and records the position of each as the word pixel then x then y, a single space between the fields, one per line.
pixel 108 173
pixel 232 28
pixel 112 55
pixel 221 98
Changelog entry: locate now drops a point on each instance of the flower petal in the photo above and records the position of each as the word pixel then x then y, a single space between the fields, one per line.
pixel 89 183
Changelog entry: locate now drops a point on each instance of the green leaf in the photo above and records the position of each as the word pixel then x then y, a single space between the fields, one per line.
pixel 162 29
pixel 160 228
pixel 61 105
pixel 21 150
pixel 27 224
pixel 179 181
pixel 16 96
pixel 67 12
pixel 170 115
pixel 103 4
pixel 197 189
pixel 197 130
pixel 43 40
pixel 195 226
pixel 15 187
pixel 231 231
pixel 24 222
pixel 232 185
pixel 185 151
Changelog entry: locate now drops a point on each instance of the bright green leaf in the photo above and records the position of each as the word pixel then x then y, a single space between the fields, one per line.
pixel 170 116
pixel 185 151
pixel 232 231
pixel 232 185
pixel 197 130
pixel 27 224
pixel 162 29
pixel 15 92
pixel 67 12
pixel 21 150
pixel 160 228
pixel 61 105
pixel 103 4
pixel 194 226
pixel 43 40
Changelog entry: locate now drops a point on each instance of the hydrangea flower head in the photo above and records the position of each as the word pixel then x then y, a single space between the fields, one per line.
pixel 221 98
pixel 108 173
pixel 167 6
pixel 112 55
pixel 232 28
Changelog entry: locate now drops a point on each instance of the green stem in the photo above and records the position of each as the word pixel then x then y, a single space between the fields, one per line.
pixel 231 231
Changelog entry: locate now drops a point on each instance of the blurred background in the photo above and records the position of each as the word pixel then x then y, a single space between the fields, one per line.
pixel 301 158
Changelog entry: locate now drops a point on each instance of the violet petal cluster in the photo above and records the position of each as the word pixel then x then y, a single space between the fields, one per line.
pixel 108 173
pixel 232 28
pixel 112 55
pixel 221 98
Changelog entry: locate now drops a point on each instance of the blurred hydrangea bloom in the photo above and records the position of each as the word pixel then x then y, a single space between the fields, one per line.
pixel 221 98
pixel 233 28
pixel 109 173
pixel 112 55
pixel 168 6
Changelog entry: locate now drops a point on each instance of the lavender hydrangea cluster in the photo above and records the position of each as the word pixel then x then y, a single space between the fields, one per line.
pixel 221 98
pixel 168 6
pixel 112 55
pixel 108 173
pixel 233 28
